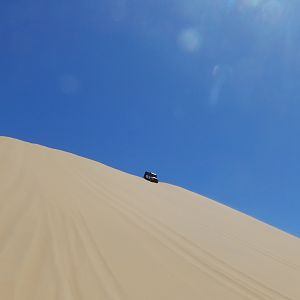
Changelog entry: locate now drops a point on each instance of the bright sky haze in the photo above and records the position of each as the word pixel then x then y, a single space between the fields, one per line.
pixel 205 93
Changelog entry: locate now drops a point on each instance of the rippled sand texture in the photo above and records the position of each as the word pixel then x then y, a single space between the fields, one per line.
pixel 72 228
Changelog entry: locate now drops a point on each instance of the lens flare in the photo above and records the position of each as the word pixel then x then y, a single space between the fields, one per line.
pixel 190 40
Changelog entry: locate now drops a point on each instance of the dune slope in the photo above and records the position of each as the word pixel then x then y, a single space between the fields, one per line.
pixel 72 228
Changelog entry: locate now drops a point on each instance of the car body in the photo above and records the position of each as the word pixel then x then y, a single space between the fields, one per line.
pixel 150 176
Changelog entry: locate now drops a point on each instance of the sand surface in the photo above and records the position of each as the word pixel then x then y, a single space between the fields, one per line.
pixel 72 228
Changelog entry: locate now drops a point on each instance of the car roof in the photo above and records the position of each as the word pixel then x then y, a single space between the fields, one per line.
pixel 151 173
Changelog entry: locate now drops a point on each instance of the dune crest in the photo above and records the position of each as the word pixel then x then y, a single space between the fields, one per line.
pixel 72 228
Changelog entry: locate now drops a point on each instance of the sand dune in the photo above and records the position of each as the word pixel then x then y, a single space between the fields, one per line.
pixel 72 228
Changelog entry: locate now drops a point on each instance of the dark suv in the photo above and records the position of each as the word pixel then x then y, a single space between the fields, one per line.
pixel 151 177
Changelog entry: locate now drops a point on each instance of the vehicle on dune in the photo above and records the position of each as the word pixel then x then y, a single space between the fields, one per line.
pixel 150 176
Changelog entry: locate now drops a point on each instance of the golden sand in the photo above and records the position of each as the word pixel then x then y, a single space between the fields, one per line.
pixel 72 228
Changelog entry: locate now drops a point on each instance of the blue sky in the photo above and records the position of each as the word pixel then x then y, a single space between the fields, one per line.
pixel 205 93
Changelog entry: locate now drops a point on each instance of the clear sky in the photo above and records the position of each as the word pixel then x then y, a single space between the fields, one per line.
pixel 205 93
